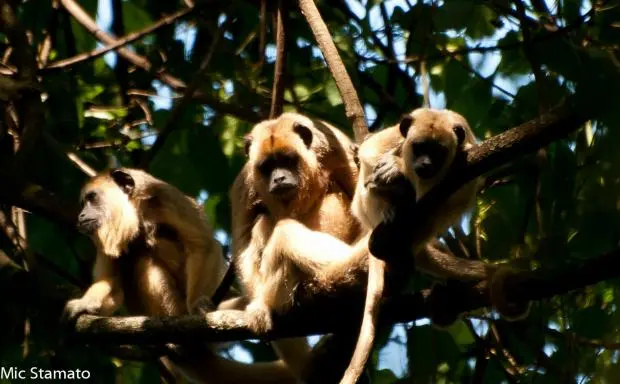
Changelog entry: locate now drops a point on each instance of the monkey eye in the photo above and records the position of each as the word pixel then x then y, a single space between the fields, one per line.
pixel 287 160
pixel 90 197
pixel 459 131
pixel 265 166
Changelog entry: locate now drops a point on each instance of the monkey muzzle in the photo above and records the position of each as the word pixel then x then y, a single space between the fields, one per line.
pixel 283 184
pixel 429 156
pixel 87 226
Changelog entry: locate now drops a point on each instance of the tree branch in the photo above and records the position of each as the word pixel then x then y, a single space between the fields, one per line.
pixel 277 94
pixel 310 319
pixel 352 106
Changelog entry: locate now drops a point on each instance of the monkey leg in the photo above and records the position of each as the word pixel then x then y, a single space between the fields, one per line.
pixel 203 366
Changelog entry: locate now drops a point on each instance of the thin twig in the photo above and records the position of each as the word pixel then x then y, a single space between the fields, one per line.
pixel 405 80
pixel 178 108
pixel 142 62
pixel 72 156
pixel 277 95
pixel 121 42
pixel 46 46
pixel 352 106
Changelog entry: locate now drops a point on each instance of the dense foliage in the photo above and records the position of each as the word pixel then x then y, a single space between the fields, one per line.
pixel 497 62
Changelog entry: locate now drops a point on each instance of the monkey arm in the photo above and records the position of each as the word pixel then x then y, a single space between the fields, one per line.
pixel 104 296
pixel 309 250
pixel 380 173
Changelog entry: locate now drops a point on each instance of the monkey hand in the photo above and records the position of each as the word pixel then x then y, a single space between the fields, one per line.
pixel 76 307
pixel 201 306
pixel 388 181
pixel 260 317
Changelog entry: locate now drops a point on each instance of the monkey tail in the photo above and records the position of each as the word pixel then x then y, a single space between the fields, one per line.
pixel 365 341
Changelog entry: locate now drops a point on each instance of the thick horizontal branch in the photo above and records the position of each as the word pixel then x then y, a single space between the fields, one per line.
pixel 343 313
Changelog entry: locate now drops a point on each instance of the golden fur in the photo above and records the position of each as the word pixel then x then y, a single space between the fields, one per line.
pixel 281 244
pixel 391 153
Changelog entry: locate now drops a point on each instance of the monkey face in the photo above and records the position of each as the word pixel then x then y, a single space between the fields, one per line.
pixel 428 159
pixel 90 217
pixel 93 213
pixel 280 175
pixel 282 159
pixel 432 140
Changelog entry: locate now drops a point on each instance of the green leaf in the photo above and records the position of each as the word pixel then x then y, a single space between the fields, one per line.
pixel 591 323
pixel 135 17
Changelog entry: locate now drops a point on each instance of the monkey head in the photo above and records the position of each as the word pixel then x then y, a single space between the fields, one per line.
pixel 108 215
pixel 284 163
pixel 433 140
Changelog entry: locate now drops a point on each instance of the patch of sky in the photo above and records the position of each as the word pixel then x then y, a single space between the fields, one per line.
pixel 471 363
pixel 371 114
pixel 238 353
pixel 313 339
pixel 582 379
pixel 392 355
pixel 270 53
pixel 187 35
pixel 104 22
pixel 549 349
pixel 481 327
pixel 422 321
pixel 553 325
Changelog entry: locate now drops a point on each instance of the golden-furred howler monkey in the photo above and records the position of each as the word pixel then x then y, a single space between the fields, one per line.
pixel 292 222
pixel 156 254
pixel 398 165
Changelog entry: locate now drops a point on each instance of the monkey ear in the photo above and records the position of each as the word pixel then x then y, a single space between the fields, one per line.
pixel 247 142
pixel 124 180
pixel 405 123
pixel 304 132
pixel 459 131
